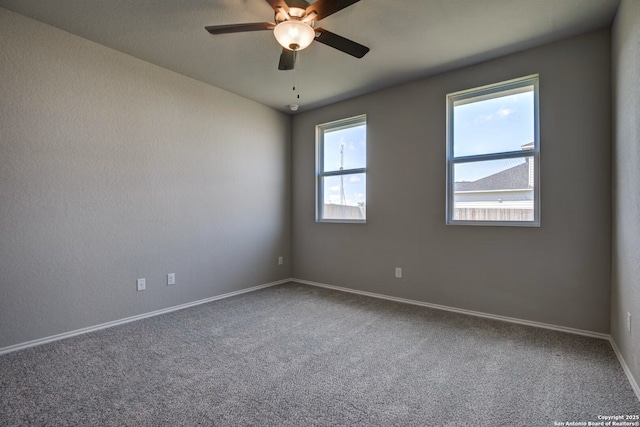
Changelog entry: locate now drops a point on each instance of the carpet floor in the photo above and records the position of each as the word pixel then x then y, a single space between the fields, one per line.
pixel 296 355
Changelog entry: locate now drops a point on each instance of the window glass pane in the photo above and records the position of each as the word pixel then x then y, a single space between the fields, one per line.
pixel 494 190
pixel 494 124
pixel 345 196
pixel 345 148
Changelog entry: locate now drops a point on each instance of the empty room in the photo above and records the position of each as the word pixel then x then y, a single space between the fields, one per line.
pixel 320 213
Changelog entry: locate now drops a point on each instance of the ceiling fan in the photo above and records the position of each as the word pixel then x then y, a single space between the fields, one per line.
pixel 294 28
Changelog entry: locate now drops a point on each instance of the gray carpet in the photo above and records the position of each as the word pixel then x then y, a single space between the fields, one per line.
pixel 295 355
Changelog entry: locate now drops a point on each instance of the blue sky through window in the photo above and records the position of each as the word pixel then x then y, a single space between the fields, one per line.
pixel 353 143
pixel 355 148
pixel 494 125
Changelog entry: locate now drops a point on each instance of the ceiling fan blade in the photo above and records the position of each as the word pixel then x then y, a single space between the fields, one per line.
pixel 239 28
pixel 325 8
pixel 338 42
pixel 287 60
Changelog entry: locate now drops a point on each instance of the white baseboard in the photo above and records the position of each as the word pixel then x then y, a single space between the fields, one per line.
pixel 625 367
pixel 461 310
pixel 40 341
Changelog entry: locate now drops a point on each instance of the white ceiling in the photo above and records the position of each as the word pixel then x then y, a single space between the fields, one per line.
pixel 408 39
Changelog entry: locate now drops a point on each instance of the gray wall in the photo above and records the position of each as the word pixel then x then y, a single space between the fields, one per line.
pixel 625 295
pixel 559 273
pixel 113 169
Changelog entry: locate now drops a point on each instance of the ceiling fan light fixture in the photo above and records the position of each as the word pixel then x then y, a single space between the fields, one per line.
pixel 294 35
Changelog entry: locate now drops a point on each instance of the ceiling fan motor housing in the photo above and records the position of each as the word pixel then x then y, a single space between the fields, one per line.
pixel 299 4
pixel 294 14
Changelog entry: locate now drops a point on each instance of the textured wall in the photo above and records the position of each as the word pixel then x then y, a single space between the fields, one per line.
pixel 558 273
pixel 625 295
pixel 113 169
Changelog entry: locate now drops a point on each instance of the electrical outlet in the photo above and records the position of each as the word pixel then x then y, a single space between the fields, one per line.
pixel 398 273
pixel 171 279
pixel 629 322
pixel 141 284
pixel 280 260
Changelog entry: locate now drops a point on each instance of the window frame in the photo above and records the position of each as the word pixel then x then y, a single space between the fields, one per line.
pixel 489 92
pixel 320 173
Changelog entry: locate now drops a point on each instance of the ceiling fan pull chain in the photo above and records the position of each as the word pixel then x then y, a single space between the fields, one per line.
pixel 296 86
pixel 295 70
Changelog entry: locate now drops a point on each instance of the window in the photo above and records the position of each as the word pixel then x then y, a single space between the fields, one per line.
pixel 493 155
pixel 342 171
